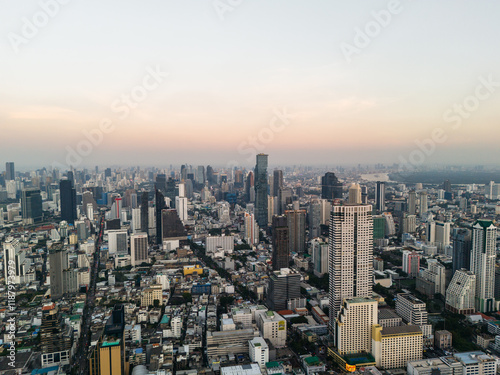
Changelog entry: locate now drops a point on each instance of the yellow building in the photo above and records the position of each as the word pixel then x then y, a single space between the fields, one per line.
pixel 107 358
pixel 394 347
pixel 189 270
pixel 150 294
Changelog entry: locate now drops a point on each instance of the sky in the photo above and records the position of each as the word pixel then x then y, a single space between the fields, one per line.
pixel 317 82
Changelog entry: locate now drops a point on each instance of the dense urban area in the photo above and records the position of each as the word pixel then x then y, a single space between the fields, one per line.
pixel 298 270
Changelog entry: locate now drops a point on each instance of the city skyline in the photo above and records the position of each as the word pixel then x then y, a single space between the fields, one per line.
pixel 213 82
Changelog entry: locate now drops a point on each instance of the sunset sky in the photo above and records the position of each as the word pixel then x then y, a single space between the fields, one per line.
pixel 232 68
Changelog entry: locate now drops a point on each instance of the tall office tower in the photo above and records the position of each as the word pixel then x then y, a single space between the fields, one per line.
pixel 108 356
pixel 314 217
pixel 172 192
pixel 118 241
pixel 161 182
pixel 280 256
pixel 31 205
pixel 56 337
pixel 331 187
pixel 447 186
pixel 380 196
pixel 483 256
pixel 200 175
pixel 461 293
pixel 238 179
pixel 297 230
pixel 355 194
pixel 171 225
pixel 183 172
pixel 277 182
pixel 412 202
pixel 261 190
pixel 251 229
pixel 284 285
pixel 144 212
pixel 14 259
pixel 319 251
pixel 10 173
pixel 462 247
pixel 424 205
pixel 138 248
pixel 350 255
pixel 59 262
pixel 249 186
pixel 181 207
pixel 354 325
pixel 107 173
pixel 210 176
pixel 159 206
pixel 326 208
pixel 285 197
pixel 68 201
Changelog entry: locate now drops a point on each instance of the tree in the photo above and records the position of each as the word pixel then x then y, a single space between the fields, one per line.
pixel 298 319
pixel 187 297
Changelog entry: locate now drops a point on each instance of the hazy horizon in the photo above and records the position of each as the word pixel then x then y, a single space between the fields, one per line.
pixel 212 82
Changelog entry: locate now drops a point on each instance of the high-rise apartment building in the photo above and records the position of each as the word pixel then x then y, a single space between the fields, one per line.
pixel 261 187
pixel 354 325
pixel 350 254
pixel 483 257
pixel 461 293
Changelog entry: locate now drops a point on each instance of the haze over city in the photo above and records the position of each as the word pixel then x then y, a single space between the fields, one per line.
pixel 227 70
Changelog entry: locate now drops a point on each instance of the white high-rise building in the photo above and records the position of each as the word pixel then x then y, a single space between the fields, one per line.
pixel 163 281
pixel 225 242
pixel 13 261
pixel 90 211
pixel 251 229
pixel 412 202
pixel 176 324
pixel 138 248
pixel 355 194
pixel 258 351
pixel 350 255
pixel 483 257
pixel 117 241
pixel 136 220
pixel 354 325
pixel 424 206
pixel 181 207
pixel 461 293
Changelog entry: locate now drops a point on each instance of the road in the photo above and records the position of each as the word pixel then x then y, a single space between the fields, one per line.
pixel 81 360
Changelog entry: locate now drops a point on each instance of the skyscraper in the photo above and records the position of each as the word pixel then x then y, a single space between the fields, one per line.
pixel 484 234
pixel 355 194
pixel 412 202
pixel 331 187
pixel 68 201
pixel 280 256
pixel 277 181
pixel 380 196
pixel 424 207
pixel 144 212
pixel 350 255
pixel 462 247
pixel 58 260
pixel 56 337
pixel 31 205
pixel 296 230
pixel 160 205
pixel 261 187
pixel 10 173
